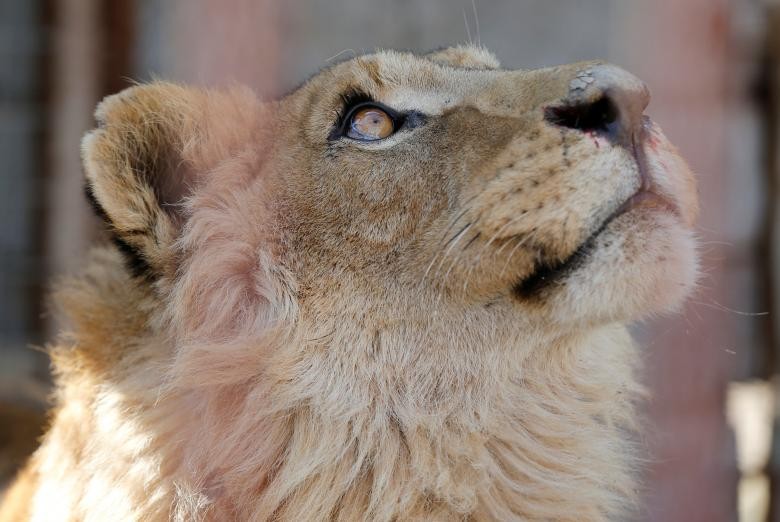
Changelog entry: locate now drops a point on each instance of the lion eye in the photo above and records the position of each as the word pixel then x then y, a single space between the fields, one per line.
pixel 370 124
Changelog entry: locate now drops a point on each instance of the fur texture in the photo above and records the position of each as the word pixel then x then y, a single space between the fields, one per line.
pixel 427 327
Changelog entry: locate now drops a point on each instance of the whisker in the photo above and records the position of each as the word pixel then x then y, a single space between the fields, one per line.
pixel 723 243
pixel 476 21
pixel 529 237
pixel 496 235
pixel 452 265
pixel 471 241
pixel 458 257
pixel 430 265
pixel 717 306
pixel 452 223
pixel 468 30
pixel 441 255
pixel 512 253
pixel 457 235
pixel 340 53
pixel 456 238
pixel 502 247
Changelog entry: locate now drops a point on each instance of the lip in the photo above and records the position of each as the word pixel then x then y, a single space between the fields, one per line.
pixel 648 196
pixel 647 199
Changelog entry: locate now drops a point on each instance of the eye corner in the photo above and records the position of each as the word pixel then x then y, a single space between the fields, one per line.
pixel 414 119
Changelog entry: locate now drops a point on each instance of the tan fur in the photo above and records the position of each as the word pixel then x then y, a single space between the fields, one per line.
pixel 330 330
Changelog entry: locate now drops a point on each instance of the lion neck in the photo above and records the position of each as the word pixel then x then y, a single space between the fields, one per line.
pixel 349 414
pixel 358 412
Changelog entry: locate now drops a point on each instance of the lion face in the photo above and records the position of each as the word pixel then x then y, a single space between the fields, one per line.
pixel 547 191
pixel 409 184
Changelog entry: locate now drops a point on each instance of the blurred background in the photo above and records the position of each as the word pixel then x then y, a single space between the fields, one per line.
pixel 713 68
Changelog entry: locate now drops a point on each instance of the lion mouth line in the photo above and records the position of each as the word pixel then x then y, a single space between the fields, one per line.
pixel 547 273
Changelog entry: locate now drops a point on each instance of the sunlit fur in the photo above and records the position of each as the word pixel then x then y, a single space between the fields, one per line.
pixel 329 330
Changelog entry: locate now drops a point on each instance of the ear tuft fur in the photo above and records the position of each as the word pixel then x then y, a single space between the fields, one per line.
pixel 153 146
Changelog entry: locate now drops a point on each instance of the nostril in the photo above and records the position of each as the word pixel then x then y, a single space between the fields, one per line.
pixel 599 116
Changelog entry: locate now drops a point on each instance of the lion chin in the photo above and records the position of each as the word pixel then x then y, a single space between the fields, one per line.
pixel 398 293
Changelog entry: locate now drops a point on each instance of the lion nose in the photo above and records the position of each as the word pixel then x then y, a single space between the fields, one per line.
pixel 603 99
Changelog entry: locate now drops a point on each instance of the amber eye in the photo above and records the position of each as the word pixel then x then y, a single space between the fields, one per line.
pixel 370 124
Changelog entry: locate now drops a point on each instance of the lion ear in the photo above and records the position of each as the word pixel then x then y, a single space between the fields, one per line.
pixel 153 146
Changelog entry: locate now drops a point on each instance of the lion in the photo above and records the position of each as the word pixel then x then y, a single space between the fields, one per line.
pixel 398 293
